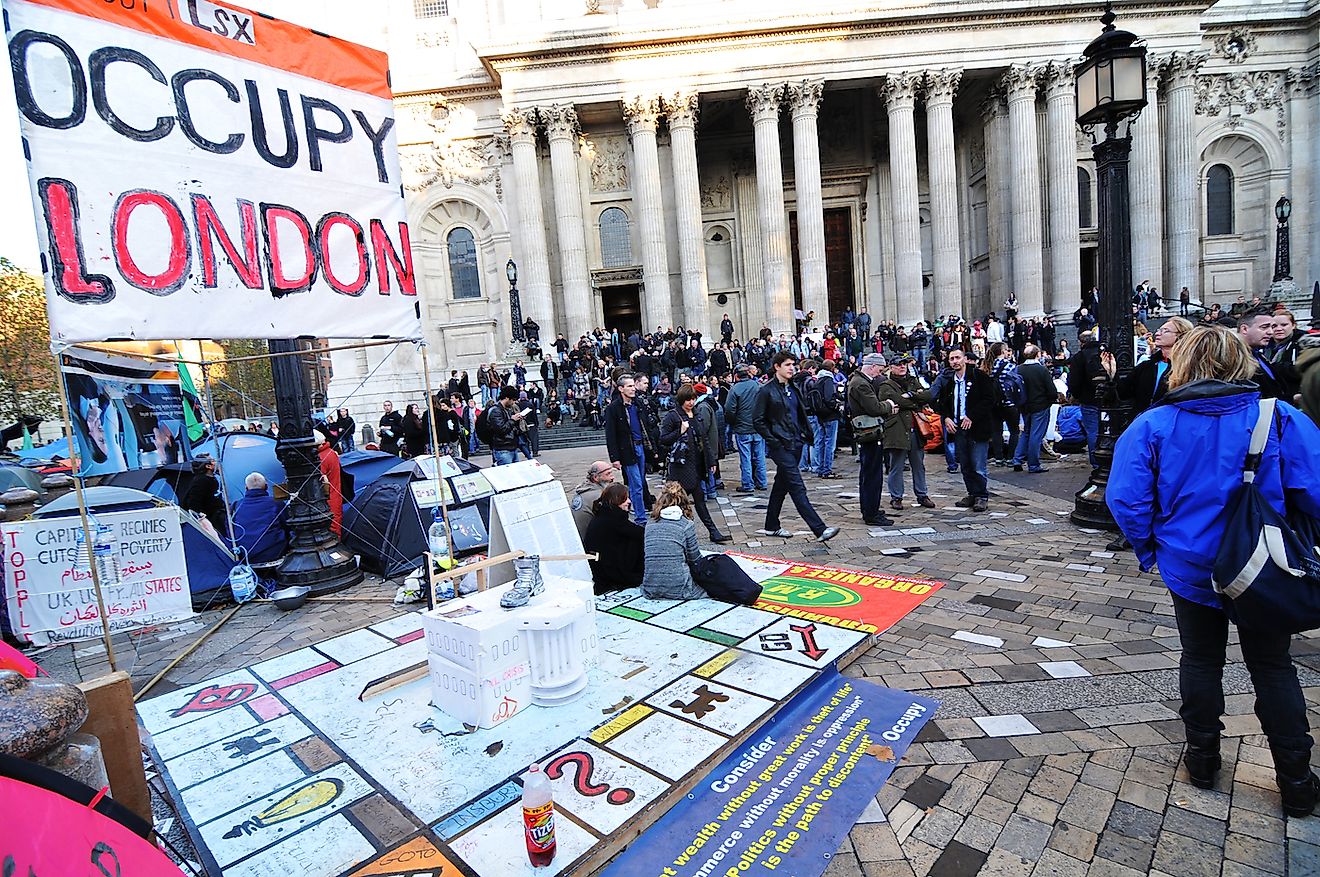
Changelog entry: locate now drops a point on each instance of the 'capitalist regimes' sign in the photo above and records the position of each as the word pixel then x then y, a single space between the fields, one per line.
pixel 51 600
pixel 201 170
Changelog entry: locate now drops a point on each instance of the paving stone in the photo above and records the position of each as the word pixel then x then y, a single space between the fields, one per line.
pixel 875 842
pixel 978 833
pixel 958 860
pixel 1025 837
pixel 1127 851
pixel 1073 840
pixel 991 749
pixel 1053 783
pixel 1009 786
pixel 963 794
pixel 939 827
pixel 1038 808
pixel 1143 796
pixel 925 792
pixel 1063 694
pixel 1303 858
pixel 993 809
pixel 1056 864
pixel 1186 857
pixel 1255 852
pixel 887 869
pixel 1207 802
pixel 1087 807
pixel 1190 824
pixel 1102 777
pixel 1135 822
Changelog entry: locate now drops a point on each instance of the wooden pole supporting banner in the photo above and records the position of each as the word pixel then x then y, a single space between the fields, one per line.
pixel 88 535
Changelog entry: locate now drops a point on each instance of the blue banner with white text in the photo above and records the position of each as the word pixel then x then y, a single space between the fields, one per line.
pixel 783 802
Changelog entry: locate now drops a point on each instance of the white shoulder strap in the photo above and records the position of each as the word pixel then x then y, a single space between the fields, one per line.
pixel 1260 434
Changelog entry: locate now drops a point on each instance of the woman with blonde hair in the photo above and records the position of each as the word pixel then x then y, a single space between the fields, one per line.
pixel 671 547
pixel 1147 383
pixel 1176 470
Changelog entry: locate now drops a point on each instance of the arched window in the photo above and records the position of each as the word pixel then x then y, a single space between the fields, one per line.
pixel 1219 200
pixel 1084 213
pixel 615 239
pixel 463 272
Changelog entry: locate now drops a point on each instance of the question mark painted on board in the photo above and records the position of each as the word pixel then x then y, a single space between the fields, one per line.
pixel 582 778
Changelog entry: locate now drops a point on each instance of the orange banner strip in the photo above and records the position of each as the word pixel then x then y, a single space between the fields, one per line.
pixel 246 35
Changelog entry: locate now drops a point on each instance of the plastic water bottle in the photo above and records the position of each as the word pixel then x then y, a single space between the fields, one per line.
pixel 102 551
pixel 538 809
pixel 437 540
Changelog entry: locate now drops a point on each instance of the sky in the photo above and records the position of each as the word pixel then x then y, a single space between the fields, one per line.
pixel 18 234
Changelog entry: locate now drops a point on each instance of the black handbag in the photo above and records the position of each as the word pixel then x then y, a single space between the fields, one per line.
pixel 723 579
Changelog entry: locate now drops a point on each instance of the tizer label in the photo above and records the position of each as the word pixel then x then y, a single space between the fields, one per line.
pixel 539 825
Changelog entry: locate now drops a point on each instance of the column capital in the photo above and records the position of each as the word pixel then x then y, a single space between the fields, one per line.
pixel 1156 66
pixel 804 96
pixel 681 109
pixel 1019 82
pixel 641 113
pixel 1060 80
pixel 763 101
pixel 900 89
pixel 1182 68
pixel 992 107
pixel 560 120
pixel 941 86
pixel 521 124
pixel 1298 80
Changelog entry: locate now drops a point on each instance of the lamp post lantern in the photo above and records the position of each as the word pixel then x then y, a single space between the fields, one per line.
pixel 515 306
pixel 1111 92
pixel 1282 249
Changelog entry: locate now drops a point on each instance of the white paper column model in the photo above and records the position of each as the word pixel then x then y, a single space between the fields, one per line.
pixel 558 672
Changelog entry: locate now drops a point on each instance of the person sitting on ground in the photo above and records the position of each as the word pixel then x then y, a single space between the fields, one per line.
pixel 600 475
pixel 260 522
pixel 618 542
pixel 671 547
pixel 203 496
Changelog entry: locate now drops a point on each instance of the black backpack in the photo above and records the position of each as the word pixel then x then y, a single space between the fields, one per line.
pixel 822 399
pixel 482 426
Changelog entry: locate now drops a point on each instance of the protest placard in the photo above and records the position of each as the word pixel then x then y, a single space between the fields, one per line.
pixel 198 170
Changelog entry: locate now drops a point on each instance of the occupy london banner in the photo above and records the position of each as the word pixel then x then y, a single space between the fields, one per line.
pixel 126 413
pixel 198 170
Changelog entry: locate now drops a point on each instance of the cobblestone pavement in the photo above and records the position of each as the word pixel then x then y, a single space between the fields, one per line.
pixel 1056 747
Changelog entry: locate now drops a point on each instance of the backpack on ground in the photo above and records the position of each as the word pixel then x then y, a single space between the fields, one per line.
pixel 482 426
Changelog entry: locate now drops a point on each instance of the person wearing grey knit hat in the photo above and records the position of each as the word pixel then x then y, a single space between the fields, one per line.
pixel 874 359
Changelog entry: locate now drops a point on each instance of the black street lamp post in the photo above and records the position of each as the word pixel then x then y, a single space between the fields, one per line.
pixel 515 306
pixel 1282 249
pixel 1111 92
pixel 315 558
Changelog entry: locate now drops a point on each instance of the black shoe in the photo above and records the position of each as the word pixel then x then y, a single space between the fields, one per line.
pixel 1298 785
pixel 1202 759
pixel 745 490
pixel 979 505
pixel 1017 467
pixel 966 502
pixel 882 521
pixel 720 538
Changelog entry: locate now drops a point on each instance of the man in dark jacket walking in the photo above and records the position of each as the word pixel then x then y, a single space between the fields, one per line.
pixel 780 417
pixel 1039 396
pixel 967 403
pixel 625 441
pixel 1086 374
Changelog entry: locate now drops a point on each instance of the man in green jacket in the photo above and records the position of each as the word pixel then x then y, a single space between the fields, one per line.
pixel 864 400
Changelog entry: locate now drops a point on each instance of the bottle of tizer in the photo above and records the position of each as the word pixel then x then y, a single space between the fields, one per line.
pixel 538 808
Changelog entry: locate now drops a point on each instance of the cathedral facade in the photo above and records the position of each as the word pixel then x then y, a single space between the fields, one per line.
pixel 666 163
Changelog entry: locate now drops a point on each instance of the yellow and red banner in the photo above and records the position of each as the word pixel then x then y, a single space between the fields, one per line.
pixel 871 602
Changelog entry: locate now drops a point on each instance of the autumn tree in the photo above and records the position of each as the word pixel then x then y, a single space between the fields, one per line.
pixel 245 388
pixel 28 381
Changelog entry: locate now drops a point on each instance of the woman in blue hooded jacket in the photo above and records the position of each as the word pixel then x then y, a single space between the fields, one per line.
pixel 1176 470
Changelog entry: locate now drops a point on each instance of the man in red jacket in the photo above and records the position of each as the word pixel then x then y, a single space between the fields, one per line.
pixel 331 475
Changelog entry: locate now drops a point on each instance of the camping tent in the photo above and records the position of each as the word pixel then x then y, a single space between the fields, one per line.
pixel 209 561
pixel 19 476
pixel 384 524
pixel 58 448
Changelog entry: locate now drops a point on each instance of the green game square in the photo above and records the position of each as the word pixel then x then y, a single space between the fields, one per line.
pixel 634 614
pixel 714 636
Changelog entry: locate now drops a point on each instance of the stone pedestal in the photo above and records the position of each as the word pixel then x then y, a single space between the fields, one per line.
pixel 39 720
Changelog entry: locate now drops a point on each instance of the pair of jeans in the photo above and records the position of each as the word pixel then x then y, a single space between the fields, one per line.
pixel 809 462
pixel 973 458
pixel 826 436
pixel 1034 426
pixel 1091 426
pixel 635 476
pixel 870 478
pixel 950 446
pixel 1280 705
pixel 788 482
pixel 751 461
pixel 919 354
pixel 999 449
pixel 503 458
pixel 915 456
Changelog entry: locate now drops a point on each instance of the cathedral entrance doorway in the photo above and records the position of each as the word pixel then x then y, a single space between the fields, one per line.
pixel 622 306
pixel 839 268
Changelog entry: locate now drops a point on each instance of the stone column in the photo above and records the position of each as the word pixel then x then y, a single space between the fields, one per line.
pixel 534 260
pixel 1024 166
pixel 1146 183
pixel 999 218
pixel 641 115
pixel 899 92
pixel 561 127
pixel 763 105
pixel 941 85
pixel 1181 164
pixel 681 108
pixel 804 98
pixel 748 215
pixel 1302 155
pixel 1061 145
